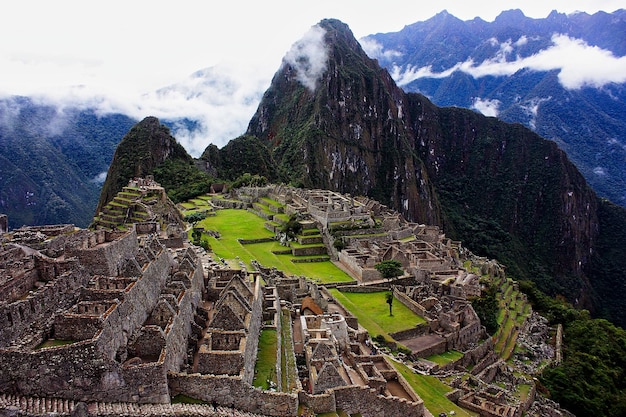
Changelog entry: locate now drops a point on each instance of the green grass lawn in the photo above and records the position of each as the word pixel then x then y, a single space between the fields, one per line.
pixel 446 357
pixel 431 391
pixel 265 368
pixel 373 312
pixel 234 224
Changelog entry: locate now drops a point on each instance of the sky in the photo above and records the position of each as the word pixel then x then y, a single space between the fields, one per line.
pixel 203 59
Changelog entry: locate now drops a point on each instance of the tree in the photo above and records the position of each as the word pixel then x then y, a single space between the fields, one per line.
pixel 293 227
pixel 389 269
pixel 389 300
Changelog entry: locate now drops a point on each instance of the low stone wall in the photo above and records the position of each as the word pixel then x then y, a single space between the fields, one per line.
pixel 354 399
pixel 233 392
pixel 417 331
pixel 310 251
pixel 261 214
pixel 310 240
pixel 435 349
pixel 251 241
pixel 320 403
pixel 362 289
pixel 410 303
pixel 309 260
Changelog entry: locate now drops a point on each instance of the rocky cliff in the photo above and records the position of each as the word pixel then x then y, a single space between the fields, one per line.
pixel 347 130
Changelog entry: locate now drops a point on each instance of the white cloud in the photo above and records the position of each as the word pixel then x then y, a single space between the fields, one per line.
pixel 309 57
pixel 115 55
pixel 486 106
pixel 578 63
pixel 599 171
pixel 373 49
pixel 531 108
pixel 100 178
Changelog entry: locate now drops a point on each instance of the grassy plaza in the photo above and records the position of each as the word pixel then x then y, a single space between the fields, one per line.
pixel 373 312
pixel 234 224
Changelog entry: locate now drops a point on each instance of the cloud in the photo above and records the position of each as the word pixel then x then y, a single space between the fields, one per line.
pixel 375 50
pixel 100 178
pixel 309 57
pixel 578 63
pixel 220 101
pixel 487 107
pixel 531 109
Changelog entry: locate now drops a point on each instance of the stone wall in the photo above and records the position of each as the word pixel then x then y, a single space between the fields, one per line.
pixel 133 311
pixel 309 251
pixel 78 372
pixel 233 392
pixel 254 331
pixel 21 319
pixel 368 403
pixel 103 258
pixel 94 369
pixel 419 330
pixel 410 303
pixel 320 403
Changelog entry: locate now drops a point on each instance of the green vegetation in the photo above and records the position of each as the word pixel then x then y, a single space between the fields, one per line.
pixel 372 313
pixel 54 342
pixel 389 269
pixel 241 224
pixel 293 227
pixel 486 306
pixel 431 391
pixel 248 180
pixel 446 357
pixel 243 158
pixel 182 179
pixel 591 380
pixel 265 368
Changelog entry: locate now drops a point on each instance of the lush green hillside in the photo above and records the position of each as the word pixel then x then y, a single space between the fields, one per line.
pixel 149 149
pixel 51 161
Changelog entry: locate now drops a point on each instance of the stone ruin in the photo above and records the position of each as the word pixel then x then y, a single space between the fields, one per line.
pixel 123 316
pixel 104 321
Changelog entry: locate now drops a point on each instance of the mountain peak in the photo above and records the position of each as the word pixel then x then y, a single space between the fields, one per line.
pixel 347 121
pixel 144 147
pixel 510 16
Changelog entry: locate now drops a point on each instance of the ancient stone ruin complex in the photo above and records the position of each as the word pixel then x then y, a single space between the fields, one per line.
pixel 130 313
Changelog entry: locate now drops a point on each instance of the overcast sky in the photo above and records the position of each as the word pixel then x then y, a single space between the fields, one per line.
pixel 118 53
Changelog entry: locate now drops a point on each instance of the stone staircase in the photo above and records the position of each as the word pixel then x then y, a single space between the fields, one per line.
pixel 125 207
pixel 13 405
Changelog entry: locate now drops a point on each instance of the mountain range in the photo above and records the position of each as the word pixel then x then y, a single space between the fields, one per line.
pixel 563 76
pixel 334 118
pixel 343 124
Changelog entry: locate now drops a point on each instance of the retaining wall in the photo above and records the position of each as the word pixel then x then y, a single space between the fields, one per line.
pixel 233 392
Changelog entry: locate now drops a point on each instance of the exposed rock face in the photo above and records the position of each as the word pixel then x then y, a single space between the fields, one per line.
pixel 351 134
pixel 500 188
